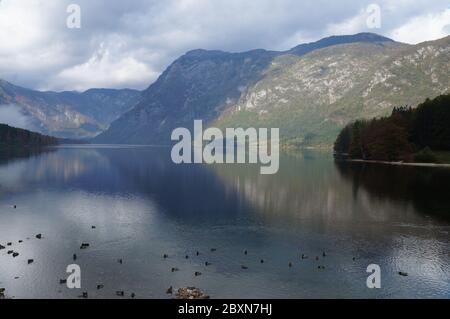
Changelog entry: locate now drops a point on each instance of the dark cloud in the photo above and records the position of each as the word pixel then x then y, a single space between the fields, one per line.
pixel 128 43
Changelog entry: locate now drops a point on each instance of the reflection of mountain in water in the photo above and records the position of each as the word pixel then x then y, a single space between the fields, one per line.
pixel 179 190
pixel 309 189
pixel 426 188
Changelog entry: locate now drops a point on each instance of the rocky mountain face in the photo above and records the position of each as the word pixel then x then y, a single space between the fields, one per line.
pixel 66 114
pixel 203 85
pixel 312 97
pixel 198 85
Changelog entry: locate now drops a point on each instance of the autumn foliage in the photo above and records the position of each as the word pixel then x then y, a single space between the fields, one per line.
pixel 404 134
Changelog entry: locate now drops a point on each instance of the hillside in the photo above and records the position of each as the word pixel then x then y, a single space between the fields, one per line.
pixel 313 97
pixel 421 134
pixel 66 114
pixel 11 136
pixel 207 85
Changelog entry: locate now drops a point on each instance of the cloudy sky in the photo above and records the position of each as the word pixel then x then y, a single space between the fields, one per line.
pixel 128 43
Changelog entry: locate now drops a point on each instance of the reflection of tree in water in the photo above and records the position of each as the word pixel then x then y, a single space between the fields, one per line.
pixel 426 188
pixel 9 154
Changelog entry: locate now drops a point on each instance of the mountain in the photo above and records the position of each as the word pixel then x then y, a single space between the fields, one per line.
pixel 201 85
pixel 11 136
pixel 309 92
pixel 66 114
pixel 337 39
pixel 311 98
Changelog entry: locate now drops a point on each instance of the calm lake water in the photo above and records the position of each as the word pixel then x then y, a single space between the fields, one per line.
pixel 144 206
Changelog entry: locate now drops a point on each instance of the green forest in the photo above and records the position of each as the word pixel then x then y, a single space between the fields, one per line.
pixel 11 136
pixel 419 134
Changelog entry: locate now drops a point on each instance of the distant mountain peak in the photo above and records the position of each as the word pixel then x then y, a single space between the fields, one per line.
pixel 361 37
pixel 202 53
pixel 67 114
pixel 309 96
pixel 338 39
pixel 300 49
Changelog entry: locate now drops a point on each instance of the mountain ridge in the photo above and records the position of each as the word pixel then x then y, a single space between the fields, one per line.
pixel 202 84
pixel 67 114
pixel 360 80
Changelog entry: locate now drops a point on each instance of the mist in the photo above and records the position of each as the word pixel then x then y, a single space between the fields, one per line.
pixel 13 116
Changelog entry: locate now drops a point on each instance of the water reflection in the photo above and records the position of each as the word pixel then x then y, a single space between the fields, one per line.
pixel 144 205
pixel 309 189
pixel 9 154
pixel 425 188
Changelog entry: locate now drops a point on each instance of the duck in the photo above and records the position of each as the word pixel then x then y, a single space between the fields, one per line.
pixel 174 269
pixel 169 290
pixel 39 236
pixel 197 273
pixel 207 263
pixel 30 261
pixel 244 267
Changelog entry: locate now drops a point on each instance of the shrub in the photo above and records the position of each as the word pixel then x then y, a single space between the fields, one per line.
pixel 426 155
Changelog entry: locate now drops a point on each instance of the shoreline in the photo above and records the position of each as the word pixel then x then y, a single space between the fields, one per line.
pixel 400 163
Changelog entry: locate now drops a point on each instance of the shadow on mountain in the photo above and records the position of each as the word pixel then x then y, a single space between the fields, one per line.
pixel 424 187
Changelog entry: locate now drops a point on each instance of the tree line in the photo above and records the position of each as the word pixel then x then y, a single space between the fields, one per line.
pixel 406 135
pixel 11 136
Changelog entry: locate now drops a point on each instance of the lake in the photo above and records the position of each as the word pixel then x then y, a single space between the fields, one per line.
pixel 143 206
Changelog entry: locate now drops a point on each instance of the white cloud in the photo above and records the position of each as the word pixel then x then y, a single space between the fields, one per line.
pixel 352 25
pixel 128 43
pixel 105 69
pixel 423 28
